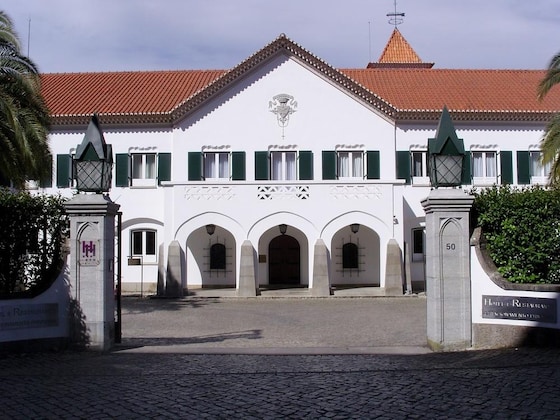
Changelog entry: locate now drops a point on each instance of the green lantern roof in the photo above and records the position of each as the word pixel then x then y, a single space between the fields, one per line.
pixel 446 141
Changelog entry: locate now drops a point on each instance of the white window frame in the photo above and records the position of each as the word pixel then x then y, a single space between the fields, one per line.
pixel 422 179
pixel 147 175
pixel 147 258
pixel 353 171
pixel 213 165
pixel 485 177
pixel 283 173
pixel 539 174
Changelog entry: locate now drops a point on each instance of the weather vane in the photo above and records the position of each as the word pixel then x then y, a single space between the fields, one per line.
pixel 395 18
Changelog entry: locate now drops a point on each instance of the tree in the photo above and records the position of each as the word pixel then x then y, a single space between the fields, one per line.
pixel 24 117
pixel 550 143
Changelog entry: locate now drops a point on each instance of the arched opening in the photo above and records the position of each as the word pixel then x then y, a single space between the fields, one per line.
pixel 284 261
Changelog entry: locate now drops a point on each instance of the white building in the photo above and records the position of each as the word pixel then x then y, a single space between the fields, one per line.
pixel 286 140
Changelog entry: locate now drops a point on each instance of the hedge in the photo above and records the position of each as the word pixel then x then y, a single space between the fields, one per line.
pixel 522 229
pixel 33 228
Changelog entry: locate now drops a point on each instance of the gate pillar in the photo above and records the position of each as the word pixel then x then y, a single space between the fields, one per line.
pixel 448 290
pixel 92 274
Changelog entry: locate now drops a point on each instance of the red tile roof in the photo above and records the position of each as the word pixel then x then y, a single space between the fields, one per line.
pixel 399 54
pixel 460 90
pixel 148 92
pixel 398 50
pixel 402 94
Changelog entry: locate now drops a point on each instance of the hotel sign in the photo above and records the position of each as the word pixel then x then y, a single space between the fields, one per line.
pixel 519 308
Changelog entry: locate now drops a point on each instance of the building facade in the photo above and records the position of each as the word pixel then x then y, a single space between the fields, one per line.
pixel 284 151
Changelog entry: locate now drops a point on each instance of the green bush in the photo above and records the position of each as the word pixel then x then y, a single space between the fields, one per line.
pixel 33 228
pixel 522 229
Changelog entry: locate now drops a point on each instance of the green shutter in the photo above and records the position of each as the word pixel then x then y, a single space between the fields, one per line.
pixel 122 161
pixel 47 181
pixel 373 171
pixel 403 165
pixel 305 165
pixel 329 164
pixel 466 178
pixel 63 170
pixel 506 167
pixel 523 172
pixel 261 166
pixel 195 166
pixel 164 167
pixel 238 166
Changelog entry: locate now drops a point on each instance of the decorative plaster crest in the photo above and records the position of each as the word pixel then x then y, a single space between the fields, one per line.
pixel 283 105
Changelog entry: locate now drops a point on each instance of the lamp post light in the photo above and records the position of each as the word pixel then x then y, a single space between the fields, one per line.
pixel 93 161
pixel 92 229
pixel 445 155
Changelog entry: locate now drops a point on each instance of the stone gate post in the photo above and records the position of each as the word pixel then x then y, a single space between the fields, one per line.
pixel 448 290
pixel 92 273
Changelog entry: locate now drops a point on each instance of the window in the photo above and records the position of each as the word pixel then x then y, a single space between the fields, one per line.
pixel 144 169
pixel 218 257
pixel 143 244
pixel 216 165
pixel 350 164
pixel 418 244
pixel 538 172
pixel 350 256
pixel 283 166
pixel 419 167
pixel 484 167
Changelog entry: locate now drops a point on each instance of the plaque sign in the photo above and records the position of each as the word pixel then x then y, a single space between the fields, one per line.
pixel 89 252
pixel 519 308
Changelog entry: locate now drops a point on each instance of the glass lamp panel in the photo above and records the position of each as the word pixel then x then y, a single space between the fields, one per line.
pixel 448 170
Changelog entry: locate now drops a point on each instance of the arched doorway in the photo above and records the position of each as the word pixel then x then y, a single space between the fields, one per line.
pixel 284 261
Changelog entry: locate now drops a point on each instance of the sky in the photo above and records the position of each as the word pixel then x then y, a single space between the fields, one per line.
pixel 63 36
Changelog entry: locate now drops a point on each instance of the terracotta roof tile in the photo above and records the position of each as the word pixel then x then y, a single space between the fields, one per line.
pixel 121 92
pixel 400 93
pixel 398 50
pixel 460 90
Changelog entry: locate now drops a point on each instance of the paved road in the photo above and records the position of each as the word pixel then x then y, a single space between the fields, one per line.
pixel 160 375
pixel 276 325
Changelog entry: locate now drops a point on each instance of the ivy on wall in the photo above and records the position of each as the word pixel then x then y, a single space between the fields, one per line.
pixel 522 229
pixel 32 231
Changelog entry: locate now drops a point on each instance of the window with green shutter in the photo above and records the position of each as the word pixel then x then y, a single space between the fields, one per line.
pixel 63 170
pixel 122 163
pixel 403 165
pixel 373 169
pixel 164 167
pixel 523 168
pixel 195 166
pixel 238 171
pixel 466 178
pixel 47 181
pixel 305 165
pixel 261 166
pixel 329 164
pixel 506 167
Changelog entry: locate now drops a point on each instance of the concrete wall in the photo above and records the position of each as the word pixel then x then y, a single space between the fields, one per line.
pixel 44 317
pixel 506 314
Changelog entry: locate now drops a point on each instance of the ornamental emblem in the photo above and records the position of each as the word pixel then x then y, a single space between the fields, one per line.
pixel 283 105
